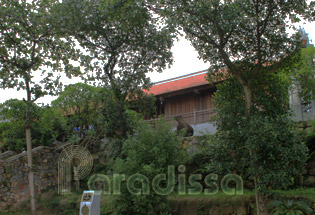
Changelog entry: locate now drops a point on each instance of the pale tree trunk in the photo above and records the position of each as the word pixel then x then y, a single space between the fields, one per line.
pixel 29 143
pixel 248 99
pixel 261 206
pixel 30 169
pixel 260 199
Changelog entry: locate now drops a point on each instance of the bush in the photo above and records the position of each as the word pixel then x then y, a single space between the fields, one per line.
pixel 12 124
pixel 293 207
pixel 264 145
pixel 53 125
pixel 149 152
pixel 198 163
pixel 46 126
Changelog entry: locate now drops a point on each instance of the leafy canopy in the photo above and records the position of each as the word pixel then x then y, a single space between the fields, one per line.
pixel 265 146
pixel 29 43
pixel 12 123
pixel 122 42
pixel 226 33
pixel 81 103
pixel 305 74
pixel 47 125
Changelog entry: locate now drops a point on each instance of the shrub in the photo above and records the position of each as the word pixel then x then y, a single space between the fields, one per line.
pixel 52 124
pixel 12 124
pixel 289 207
pixel 263 146
pixel 149 151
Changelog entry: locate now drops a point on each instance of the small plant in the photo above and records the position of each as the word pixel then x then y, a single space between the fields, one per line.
pixel 289 207
pixel 165 213
pixel 202 209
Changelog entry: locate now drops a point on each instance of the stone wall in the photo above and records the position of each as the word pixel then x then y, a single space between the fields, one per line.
pixel 14 174
pixel 307 178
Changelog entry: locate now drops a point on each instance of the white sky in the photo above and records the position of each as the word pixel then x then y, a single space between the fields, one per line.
pixel 186 61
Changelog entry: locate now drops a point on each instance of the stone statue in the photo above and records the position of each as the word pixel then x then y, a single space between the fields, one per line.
pixel 184 125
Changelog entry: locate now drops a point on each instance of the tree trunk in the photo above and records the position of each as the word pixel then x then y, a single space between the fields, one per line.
pixel 30 168
pixel 247 93
pixel 262 209
pixel 29 142
pixel 248 99
pixel 260 202
pixel 260 199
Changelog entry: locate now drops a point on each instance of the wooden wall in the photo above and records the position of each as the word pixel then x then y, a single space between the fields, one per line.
pixel 188 103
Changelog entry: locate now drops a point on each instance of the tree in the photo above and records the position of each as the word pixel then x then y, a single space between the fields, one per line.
pixel 304 74
pixel 12 132
pixel 81 103
pixel 123 42
pixel 30 43
pixel 277 155
pixel 241 39
pixel 122 39
pixel 47 125
pixel 52 125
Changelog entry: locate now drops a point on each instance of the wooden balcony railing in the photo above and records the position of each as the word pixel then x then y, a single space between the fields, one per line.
pixel 192 118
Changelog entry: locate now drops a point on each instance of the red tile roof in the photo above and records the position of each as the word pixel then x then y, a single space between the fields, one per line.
pixel 179 83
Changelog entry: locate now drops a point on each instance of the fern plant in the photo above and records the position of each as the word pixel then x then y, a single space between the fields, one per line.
pixel 289 207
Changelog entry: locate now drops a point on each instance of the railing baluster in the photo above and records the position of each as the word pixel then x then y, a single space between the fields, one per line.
pixel 197 116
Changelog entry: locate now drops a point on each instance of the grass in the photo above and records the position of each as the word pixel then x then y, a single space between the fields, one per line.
pixel 23 212
pixel 219 195
pixel 299 192
pixel 68 205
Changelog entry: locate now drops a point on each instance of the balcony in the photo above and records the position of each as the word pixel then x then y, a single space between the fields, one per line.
pixel 198 119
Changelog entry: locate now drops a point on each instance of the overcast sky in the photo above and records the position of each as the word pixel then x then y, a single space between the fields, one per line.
pixel 186 61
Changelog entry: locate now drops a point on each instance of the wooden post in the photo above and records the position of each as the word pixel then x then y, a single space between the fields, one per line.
pixel 195 117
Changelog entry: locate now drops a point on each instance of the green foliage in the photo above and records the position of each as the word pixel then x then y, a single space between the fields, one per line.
pixel 242 37
pixel 52 124
pixel 28 43
pixel 122 41
pixel 305 75
pixel 247 41
pixel 269 98
pixel 12 136
pixel 86 105
pixel 289 207
pixel 165 213
pixel 13 121
pixel 264 146
pixel 119 120
pixel 144 104
pixel 30 46
pixel 48 124
pixel 148 151
pixel 82 104
pixel 14 110
pixel 308 136
pixel 199 162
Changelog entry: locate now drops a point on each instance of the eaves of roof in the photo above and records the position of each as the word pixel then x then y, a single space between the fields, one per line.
pixel 179 83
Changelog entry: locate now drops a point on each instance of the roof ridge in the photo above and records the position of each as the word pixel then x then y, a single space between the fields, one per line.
pixel 180 77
